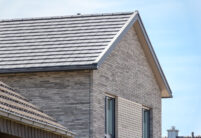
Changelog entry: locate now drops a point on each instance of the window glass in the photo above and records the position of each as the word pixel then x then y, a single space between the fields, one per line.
pixel 146 123
pixel 110 117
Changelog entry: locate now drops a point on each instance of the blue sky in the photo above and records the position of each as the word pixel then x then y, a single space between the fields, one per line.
pixel 174 27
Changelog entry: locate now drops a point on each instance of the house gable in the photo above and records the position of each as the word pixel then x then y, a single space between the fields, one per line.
pixel 136 22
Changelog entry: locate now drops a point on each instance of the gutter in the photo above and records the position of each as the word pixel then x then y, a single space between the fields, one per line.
pixel 49 69
pixel 35 123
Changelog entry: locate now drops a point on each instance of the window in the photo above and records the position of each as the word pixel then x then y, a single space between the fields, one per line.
pixel 109 117
pixel 146 123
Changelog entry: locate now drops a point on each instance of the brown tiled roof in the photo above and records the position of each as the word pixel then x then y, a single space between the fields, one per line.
pixel 15 104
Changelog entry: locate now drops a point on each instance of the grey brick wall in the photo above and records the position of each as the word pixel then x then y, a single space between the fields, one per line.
pixel 62 95
pixel 127 74
pixel 128 119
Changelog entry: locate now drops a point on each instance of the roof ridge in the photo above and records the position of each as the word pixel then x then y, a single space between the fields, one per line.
pixel 66 16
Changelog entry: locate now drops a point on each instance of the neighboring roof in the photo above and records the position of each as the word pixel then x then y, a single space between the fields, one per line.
pixel 17 107
pixel 69 43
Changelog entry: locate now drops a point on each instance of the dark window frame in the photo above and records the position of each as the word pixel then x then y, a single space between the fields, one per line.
pixel 146 119
pixel 112 100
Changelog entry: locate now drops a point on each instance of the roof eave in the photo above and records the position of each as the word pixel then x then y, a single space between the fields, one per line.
pixel 49 69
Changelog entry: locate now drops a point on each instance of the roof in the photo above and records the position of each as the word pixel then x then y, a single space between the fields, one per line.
pixel 54 42
pixel 17 107
pixel 68 43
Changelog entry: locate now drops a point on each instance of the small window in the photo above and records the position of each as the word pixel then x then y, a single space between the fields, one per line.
pixel 146 123
pixel 109 117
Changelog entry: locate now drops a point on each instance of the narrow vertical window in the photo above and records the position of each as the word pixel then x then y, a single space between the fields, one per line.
pixel 146 123
pixel 109 117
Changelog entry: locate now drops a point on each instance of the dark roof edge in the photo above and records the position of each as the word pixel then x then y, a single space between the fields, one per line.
pixel 49 69
pixel 134 17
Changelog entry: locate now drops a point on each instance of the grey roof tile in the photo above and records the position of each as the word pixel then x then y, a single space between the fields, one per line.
pixel 54 42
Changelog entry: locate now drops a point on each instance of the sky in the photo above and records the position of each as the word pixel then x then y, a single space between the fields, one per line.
pixel 174 28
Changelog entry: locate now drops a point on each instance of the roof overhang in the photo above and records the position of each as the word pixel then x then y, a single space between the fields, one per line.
pixel 49 69
pixel 136 22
